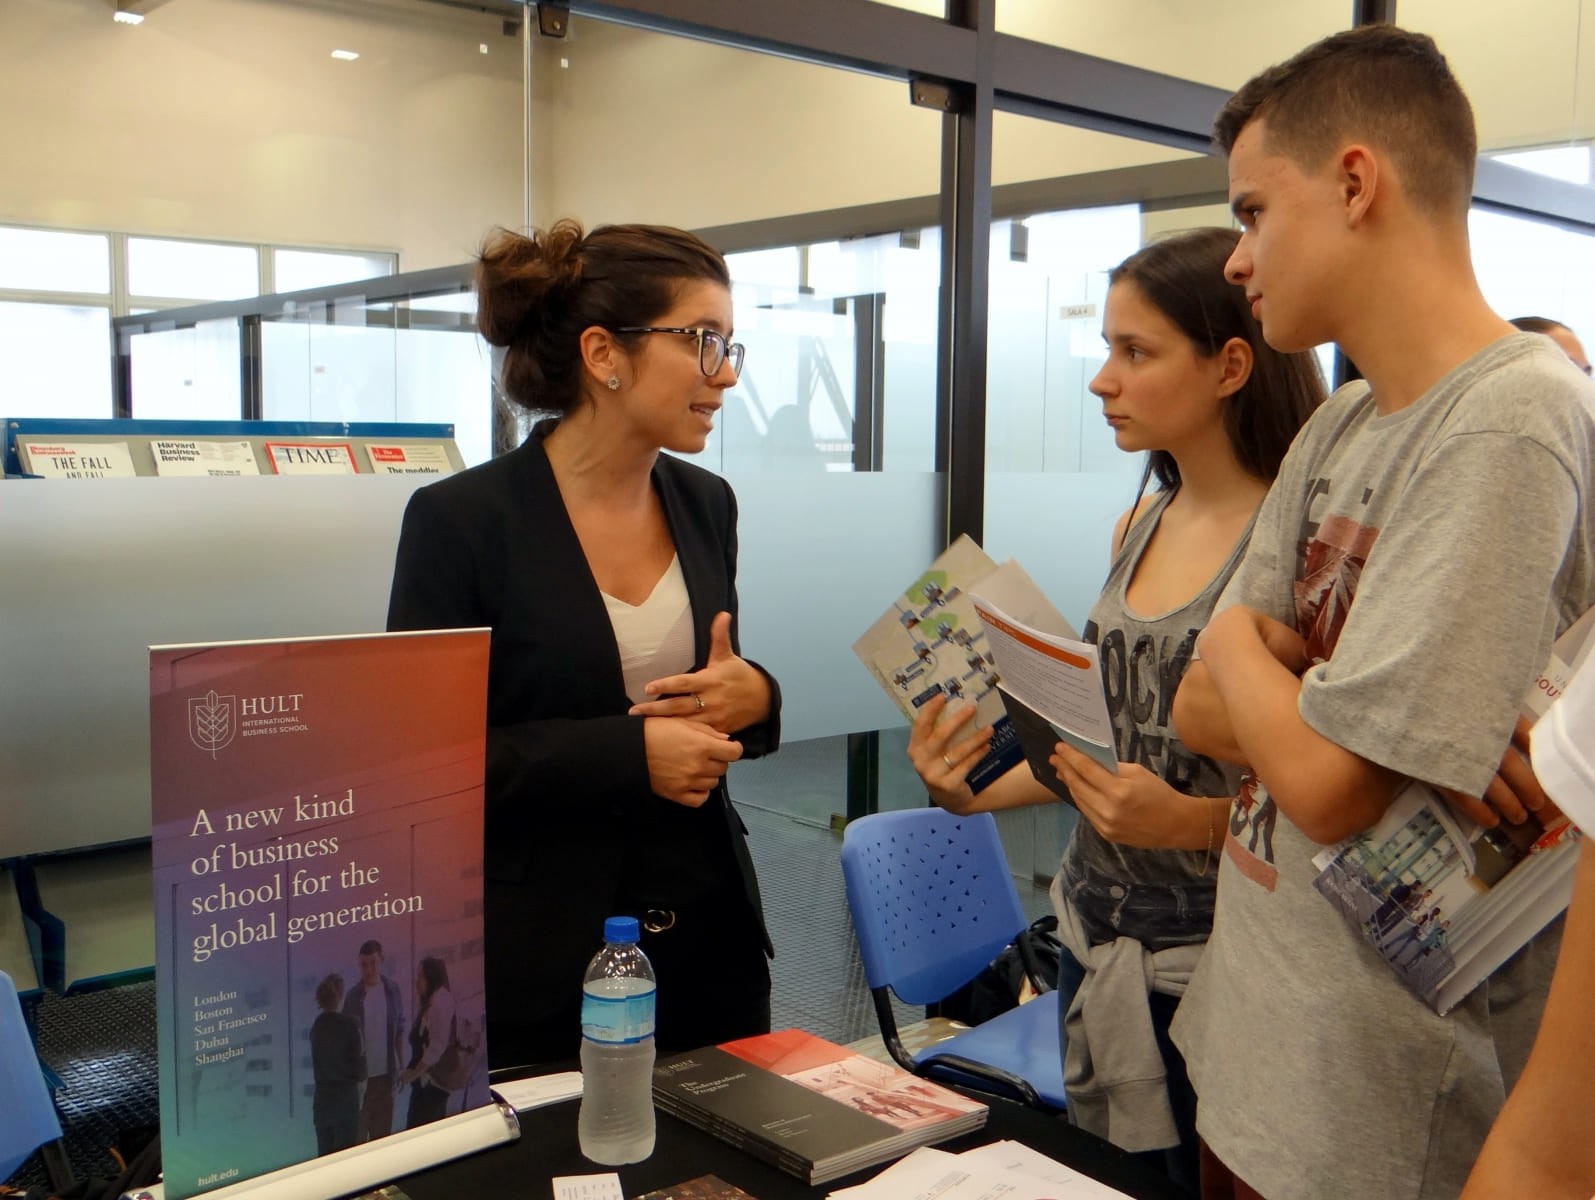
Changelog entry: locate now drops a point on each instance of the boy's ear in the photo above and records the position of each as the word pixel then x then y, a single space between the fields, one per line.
pixel 1358 181
pixel 1235 366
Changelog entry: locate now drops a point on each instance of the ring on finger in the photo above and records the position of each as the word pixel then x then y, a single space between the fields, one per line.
pixel 948 761
pixel 698 700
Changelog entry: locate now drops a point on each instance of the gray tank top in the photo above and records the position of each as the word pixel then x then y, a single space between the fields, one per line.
pixel 1159 897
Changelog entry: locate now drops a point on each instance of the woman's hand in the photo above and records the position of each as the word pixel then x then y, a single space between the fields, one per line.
pixel 943 753
pixel 1134 807
pixel 406 1077
pixel 686 758
pixel 727 695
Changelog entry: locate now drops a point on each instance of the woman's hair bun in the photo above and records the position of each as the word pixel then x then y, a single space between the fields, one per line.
pixel 519 276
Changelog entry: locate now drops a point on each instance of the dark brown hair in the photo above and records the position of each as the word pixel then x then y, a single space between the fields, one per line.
pixel 536 294
pixel 1182 276
pixel 436 974
pixel 329 992
pixel 1379 83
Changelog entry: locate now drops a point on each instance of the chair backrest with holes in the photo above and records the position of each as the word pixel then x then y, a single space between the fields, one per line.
pixel 931 897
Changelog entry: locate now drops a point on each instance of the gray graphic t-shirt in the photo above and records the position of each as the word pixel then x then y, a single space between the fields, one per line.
pixel 1158 897
pixel 1429 557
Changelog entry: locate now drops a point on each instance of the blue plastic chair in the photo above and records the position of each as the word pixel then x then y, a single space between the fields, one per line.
pixel 30 1121
pixel 933 903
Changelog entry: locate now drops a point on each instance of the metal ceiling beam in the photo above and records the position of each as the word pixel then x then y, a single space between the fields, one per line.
pixel 858 35
pixel 1053 84
pixel 1505 188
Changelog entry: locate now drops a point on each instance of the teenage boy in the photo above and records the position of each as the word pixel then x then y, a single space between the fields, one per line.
pixel 1425 542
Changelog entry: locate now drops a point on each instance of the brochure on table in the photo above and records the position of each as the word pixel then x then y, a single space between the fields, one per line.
pixel 313 800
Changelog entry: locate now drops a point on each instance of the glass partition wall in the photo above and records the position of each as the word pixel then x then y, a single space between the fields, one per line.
pixel 918 251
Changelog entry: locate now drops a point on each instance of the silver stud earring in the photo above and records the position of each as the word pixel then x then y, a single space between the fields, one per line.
pixel 614 383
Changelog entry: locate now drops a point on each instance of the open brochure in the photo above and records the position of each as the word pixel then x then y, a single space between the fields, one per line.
pixel 1444 900
pixel 999 1171
pixel 1051 688
pixel 931 643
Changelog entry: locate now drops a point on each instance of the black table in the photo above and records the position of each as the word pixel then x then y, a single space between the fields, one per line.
pixel 548 1147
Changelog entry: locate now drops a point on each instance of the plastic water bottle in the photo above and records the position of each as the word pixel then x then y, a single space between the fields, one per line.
pixel 616 1122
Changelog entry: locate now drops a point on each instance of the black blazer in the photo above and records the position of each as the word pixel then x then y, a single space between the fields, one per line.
pixel 567 773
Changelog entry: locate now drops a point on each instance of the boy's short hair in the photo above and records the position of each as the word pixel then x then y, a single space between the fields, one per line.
pixel 1379 83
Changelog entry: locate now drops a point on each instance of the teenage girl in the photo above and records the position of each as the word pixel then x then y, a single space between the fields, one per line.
pixel 1189 380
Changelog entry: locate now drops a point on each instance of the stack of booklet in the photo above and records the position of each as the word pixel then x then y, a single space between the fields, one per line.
pixel 809 1107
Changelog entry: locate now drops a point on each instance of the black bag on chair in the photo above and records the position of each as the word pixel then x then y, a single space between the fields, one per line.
pixel 1031 958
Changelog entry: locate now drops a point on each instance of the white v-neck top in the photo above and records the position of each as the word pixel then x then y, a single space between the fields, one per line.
pixel 654 637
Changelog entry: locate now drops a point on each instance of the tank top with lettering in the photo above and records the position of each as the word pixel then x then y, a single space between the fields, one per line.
pixel 1159 897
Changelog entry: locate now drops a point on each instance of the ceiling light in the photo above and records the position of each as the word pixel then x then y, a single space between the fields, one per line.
pixel 346 55
pixel 482 46
pixel 128 18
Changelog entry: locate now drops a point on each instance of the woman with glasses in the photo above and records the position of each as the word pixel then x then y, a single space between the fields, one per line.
pixel 617 696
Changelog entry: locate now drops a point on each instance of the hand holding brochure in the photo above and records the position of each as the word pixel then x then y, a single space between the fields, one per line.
pixel 930 643
pixel 1052 689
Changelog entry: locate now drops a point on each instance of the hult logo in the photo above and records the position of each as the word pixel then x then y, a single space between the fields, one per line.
pixel 213 719
pixel 211 722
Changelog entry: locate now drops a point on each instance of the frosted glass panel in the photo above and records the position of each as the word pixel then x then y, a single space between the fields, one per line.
pixel 187 374
pixel 446 376
pixel 1046 341
pixel 57 360
pixel 798 311
pixel 352 371
pixel 285 370
pixel 127 563
pixel 820 558
pixel 1059 527
pixel 41 260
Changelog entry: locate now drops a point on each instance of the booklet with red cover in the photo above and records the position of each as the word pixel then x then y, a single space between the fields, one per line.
pixel 812 1108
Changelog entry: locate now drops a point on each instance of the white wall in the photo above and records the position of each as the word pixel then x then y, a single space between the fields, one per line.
pixel 229 119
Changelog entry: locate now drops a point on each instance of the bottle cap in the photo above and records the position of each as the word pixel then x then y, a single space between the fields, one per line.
pixel 621 929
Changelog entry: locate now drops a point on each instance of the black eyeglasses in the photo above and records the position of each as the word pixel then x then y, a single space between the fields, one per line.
pixel 713 349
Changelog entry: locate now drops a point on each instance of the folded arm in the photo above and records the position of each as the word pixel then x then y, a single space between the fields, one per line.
pixel 1327 791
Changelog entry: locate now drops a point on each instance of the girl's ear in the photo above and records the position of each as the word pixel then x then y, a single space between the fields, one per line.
pixel 1235 366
